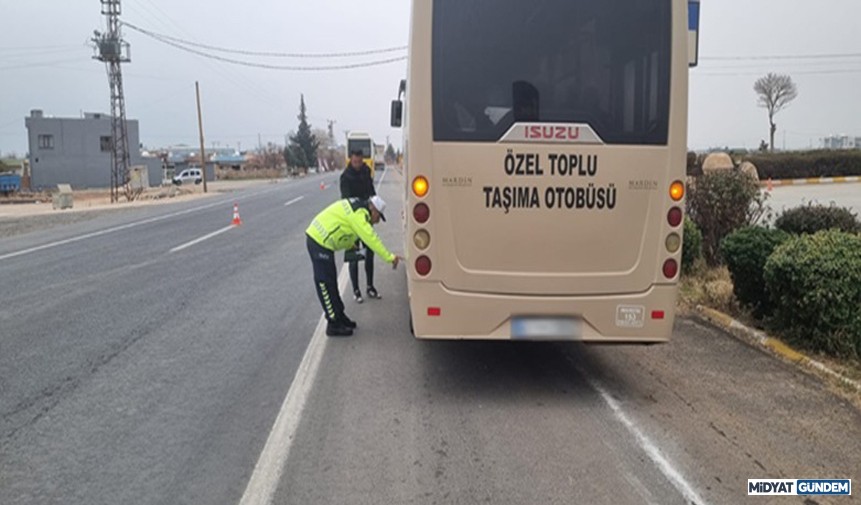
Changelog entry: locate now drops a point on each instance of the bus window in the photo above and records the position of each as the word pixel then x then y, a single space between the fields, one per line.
pixel 604 63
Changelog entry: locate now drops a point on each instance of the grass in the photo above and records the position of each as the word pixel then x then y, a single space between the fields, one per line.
pixel 708 286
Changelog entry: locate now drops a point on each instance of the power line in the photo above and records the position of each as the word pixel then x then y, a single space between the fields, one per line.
pixel 272 54
pixel 267 66
pixel 55 63
pixel 802 72
pixel 784 57
pixel 236 79
pixel 38 48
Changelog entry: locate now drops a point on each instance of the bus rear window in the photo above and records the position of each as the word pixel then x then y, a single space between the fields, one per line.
pixel 364 145
pixel 601 62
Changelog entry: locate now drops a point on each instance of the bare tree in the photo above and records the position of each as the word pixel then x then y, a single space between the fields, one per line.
pixel 775 92
pixel 270 157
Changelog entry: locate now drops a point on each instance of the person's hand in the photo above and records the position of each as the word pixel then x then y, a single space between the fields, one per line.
pixel 395 262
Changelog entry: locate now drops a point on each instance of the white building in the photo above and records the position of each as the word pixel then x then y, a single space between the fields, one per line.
pixel 841 142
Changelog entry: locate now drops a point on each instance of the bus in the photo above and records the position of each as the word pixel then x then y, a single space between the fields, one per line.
pixel 545 164
pixel 363 141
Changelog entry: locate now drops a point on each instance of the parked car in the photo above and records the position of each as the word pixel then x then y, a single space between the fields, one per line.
pixel 188 175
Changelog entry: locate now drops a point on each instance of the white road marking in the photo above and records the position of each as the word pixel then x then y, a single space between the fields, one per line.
pixel 107 231
pixel 201 239
pixel 130 225
pixel 291 202
pixel 267 472
pixel 270 465
pixel 664 465
pixel 385 171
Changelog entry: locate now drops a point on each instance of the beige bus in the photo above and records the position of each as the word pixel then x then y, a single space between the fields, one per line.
pixel 544 151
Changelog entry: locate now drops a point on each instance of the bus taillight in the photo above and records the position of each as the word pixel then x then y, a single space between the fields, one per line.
pixel 421 212
pixel 674 243
pixel 422 240
pixel 423 265
pixel 671 268
pixel 675 216
pixel 420 186
pixel 677 191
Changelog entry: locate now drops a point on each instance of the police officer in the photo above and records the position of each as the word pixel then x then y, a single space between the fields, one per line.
pixel 337 228
pixel 356 182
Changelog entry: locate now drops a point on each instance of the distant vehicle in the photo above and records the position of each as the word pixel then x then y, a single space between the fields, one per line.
pixel 10 183
pixel 363 141
pixel 379 157
pixel 188 175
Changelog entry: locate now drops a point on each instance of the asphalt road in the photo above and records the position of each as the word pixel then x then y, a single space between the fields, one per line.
pixel 842 195
pixel 133 374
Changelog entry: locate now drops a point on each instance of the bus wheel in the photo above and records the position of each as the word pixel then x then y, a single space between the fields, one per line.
pixel 412 330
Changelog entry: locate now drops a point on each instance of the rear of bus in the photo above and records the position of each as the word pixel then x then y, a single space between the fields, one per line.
pixel 364 143
pixel 545 157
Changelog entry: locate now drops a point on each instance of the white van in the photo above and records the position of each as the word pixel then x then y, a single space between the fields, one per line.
pixel 188 175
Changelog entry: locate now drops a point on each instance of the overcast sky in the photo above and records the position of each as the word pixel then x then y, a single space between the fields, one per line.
pixel 46 64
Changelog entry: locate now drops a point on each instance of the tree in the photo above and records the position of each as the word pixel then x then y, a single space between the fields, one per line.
pixel 329 154
pixel 269 157
pixel 391 157
pixel 775 92
pixel 301 153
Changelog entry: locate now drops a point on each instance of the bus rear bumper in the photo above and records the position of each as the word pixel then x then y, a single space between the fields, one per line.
pixel 456 315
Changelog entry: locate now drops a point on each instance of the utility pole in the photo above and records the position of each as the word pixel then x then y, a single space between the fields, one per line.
pixel 200 127
pixel 331 123
pixel 113 50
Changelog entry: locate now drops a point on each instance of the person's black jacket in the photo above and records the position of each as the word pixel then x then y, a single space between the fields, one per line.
pixel 357 183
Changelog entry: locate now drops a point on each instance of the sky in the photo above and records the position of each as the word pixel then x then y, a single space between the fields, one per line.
pixel 46 63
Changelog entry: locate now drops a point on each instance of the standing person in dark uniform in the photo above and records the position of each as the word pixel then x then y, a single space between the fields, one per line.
pixel 356 182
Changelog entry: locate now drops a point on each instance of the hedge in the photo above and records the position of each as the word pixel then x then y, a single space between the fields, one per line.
pixel 745 252
pixel 692 245
pixel 806 164
pixel 720 203
pixel 815 286
pixel 813 218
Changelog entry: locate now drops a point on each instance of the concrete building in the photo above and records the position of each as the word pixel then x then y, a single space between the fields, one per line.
pixel 77 151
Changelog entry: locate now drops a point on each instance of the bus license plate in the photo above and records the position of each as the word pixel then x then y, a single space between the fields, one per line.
pixel 539 328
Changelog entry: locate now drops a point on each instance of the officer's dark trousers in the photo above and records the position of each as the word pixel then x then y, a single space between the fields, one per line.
pixel 369 270
pixel 325 279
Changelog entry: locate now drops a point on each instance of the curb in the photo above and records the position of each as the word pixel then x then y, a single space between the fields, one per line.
pixel 772 346
pixel 811 181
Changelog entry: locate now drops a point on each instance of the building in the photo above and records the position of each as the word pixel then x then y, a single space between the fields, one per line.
pixel 841 142
pixel 178 158
pixel 77 151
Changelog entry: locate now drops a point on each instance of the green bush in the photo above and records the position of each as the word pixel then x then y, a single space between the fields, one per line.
pixel 745 252
pixel 815 285
pixel 695 164
pixel 721 202
pixel 801 165
pixel 692 246
pixel 813 218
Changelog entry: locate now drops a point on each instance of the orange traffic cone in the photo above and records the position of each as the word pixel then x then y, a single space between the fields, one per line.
pixel 236 220
pixel 322 185
pixel 769 185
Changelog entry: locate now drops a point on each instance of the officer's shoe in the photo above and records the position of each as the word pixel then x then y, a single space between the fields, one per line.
pixel 372 293
pixel 337 329
pixel 346 321
pixel 357 295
